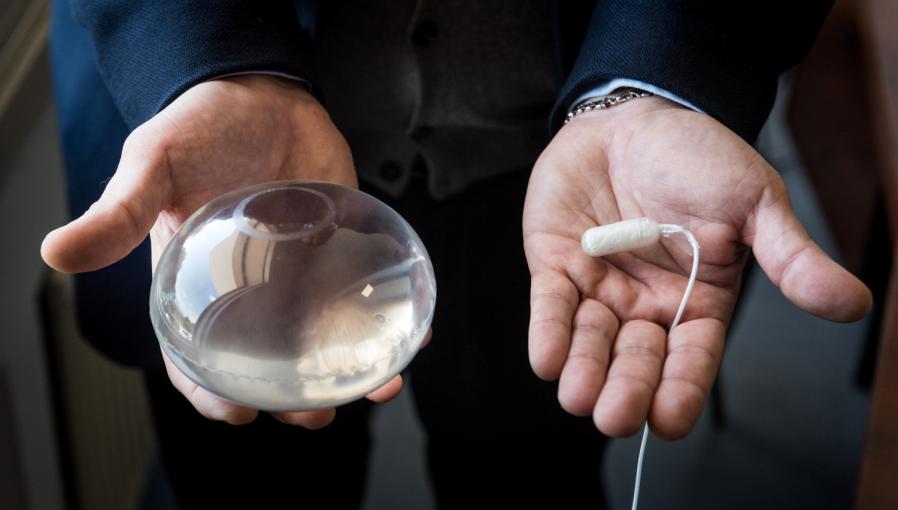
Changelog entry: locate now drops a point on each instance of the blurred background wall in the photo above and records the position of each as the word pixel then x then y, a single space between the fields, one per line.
pixel 74 430
pixel 29 454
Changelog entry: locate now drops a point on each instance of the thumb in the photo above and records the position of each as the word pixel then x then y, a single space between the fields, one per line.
pixel 801 270
pixel 120 220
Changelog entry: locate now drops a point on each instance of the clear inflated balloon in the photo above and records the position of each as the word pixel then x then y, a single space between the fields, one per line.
pixel 292 296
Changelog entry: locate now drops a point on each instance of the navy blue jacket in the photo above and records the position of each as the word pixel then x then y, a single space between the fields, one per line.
pixel 723 56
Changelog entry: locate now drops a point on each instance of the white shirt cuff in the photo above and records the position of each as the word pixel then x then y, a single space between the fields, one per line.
pixel 267 73
pixel 610 86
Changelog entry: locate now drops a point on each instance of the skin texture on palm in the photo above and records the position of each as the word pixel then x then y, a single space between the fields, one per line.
pixel 216 137
pixel 599 324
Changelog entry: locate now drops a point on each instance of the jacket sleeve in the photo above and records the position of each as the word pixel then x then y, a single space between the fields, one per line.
pixel 151 51
pixel 723 56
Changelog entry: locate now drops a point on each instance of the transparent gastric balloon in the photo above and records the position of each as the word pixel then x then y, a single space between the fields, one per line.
pixel 291 296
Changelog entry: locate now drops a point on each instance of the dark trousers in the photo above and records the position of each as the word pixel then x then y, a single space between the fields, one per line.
pixel 496 434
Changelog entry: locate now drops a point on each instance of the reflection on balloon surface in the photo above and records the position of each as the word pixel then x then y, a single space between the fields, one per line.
pixel 293 296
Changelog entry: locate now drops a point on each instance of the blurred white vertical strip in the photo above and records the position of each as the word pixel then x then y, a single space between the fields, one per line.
pixel 24 25
pixel 104 409
pixel 31 202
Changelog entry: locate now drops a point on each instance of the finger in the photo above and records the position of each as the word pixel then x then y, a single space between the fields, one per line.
pixel 124 214
pixel 427 338
pixel 312 420
pixel 694 353
pixel 583 375
pixel 632 378
pixel 553 300
pixel 388 391
pixel 206 403
pixel 391 389
pixel 802 271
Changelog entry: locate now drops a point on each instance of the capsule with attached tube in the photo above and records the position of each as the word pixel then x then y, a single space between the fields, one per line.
pixel 620 237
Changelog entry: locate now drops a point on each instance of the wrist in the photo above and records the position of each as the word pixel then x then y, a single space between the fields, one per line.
pixel 617 97
pixel 276 85
pixel 286 98
pixel 629 109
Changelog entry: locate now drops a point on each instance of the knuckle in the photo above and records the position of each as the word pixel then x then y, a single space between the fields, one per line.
pixel 639 387
pixel 148 142
pixel 598 363
pixel 642 328
pixel 539 323
pixel 639 350
pixel 538 297
pixel 699 357
pixel 593 315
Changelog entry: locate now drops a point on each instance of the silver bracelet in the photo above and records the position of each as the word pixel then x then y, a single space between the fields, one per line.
pixel 617 97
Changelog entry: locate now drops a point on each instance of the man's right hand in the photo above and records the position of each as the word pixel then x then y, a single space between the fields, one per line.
pixel 600 325
pixel 218 136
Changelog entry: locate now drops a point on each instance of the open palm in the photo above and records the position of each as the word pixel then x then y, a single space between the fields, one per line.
pixel 599 324
pixel 216 137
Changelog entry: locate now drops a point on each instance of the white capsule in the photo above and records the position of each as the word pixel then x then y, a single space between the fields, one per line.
pixel 621 236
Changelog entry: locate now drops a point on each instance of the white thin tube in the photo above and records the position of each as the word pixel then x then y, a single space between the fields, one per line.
pixel 667 231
